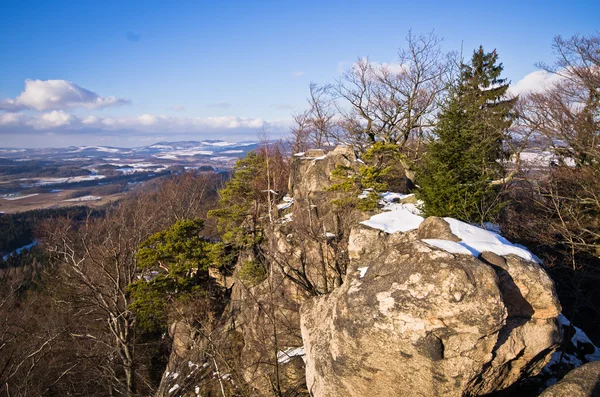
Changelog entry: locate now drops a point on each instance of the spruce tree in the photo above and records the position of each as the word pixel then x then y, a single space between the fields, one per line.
pixel 466 152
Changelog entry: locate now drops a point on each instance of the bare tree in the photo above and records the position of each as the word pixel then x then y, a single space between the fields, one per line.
pixel 565 198
pixel 98 262
pixel 394 104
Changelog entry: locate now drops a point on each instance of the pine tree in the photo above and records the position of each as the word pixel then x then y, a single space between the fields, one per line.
pixel 466 154
pixel 172 262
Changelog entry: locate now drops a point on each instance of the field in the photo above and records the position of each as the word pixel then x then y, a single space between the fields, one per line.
pixel 94 175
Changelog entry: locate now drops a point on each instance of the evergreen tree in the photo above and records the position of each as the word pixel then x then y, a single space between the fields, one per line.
pixel 467 151
pixel 172 261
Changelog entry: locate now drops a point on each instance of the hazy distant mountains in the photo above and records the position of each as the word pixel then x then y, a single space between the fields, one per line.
pixel 206 152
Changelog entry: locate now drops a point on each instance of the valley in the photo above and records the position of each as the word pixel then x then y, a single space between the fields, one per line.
pixel 96 175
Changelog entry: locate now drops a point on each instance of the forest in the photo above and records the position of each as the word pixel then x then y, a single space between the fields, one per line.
pixel 94 309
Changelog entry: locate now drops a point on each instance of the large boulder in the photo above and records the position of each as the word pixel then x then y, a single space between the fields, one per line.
pixel 310 172
pixel 419 321
pixel 581 382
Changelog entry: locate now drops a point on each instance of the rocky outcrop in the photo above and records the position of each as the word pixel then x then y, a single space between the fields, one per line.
pixel 420 321
pixel 407 319
pixel 581 382
pixel 310 172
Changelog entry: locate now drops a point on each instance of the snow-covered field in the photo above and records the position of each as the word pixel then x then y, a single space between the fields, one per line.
pixel 97 148
pixel 18 197
pixel 55 181
pixel 85 198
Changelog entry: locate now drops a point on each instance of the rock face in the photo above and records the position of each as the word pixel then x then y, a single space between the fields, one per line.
pixel 581 382
pixel 418 321
pixel 310 173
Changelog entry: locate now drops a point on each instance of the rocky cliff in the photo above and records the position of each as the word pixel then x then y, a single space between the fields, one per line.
pixel 385 304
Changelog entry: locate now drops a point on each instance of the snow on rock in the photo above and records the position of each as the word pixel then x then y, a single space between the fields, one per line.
pixel 391 197
pixel 363 271
pixel 478 240
pixel 397 220
pixel 285 356
pixel 449 246
pixel 284 206
pixel 399 217
pixel 286 218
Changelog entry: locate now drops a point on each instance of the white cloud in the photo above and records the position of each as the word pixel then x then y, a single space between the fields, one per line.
pixel 537 81
pixel 297 74
pixel 147 119
pixel 43 95
pixel 59 120
pixel 56 118
pixel 10 118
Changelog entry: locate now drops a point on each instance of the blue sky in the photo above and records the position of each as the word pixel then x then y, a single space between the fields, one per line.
pixel 168 70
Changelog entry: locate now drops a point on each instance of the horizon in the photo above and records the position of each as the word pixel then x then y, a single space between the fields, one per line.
pixel 131 75
pixel 243 142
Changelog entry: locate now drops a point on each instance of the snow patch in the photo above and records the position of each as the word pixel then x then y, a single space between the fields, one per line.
pixel 285 356
pixel 13 198
pixel 284 206
pixel 449 246
pixel 85 198
pixel 397 220
pixel 363 271
pixel 478 240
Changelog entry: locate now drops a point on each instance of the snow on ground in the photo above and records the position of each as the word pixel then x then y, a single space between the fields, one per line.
pixel 98 148
pixel 12 198
pixel 579 339
pixel 189 152
pixel 232 152
pixel 285 356
pixel 85 198
pixel 55 181
pixel 569 357
pixel 166 157
pixel 223 158
pixel 542 159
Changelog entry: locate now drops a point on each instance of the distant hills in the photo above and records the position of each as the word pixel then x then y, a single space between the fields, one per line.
pixel 206 151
